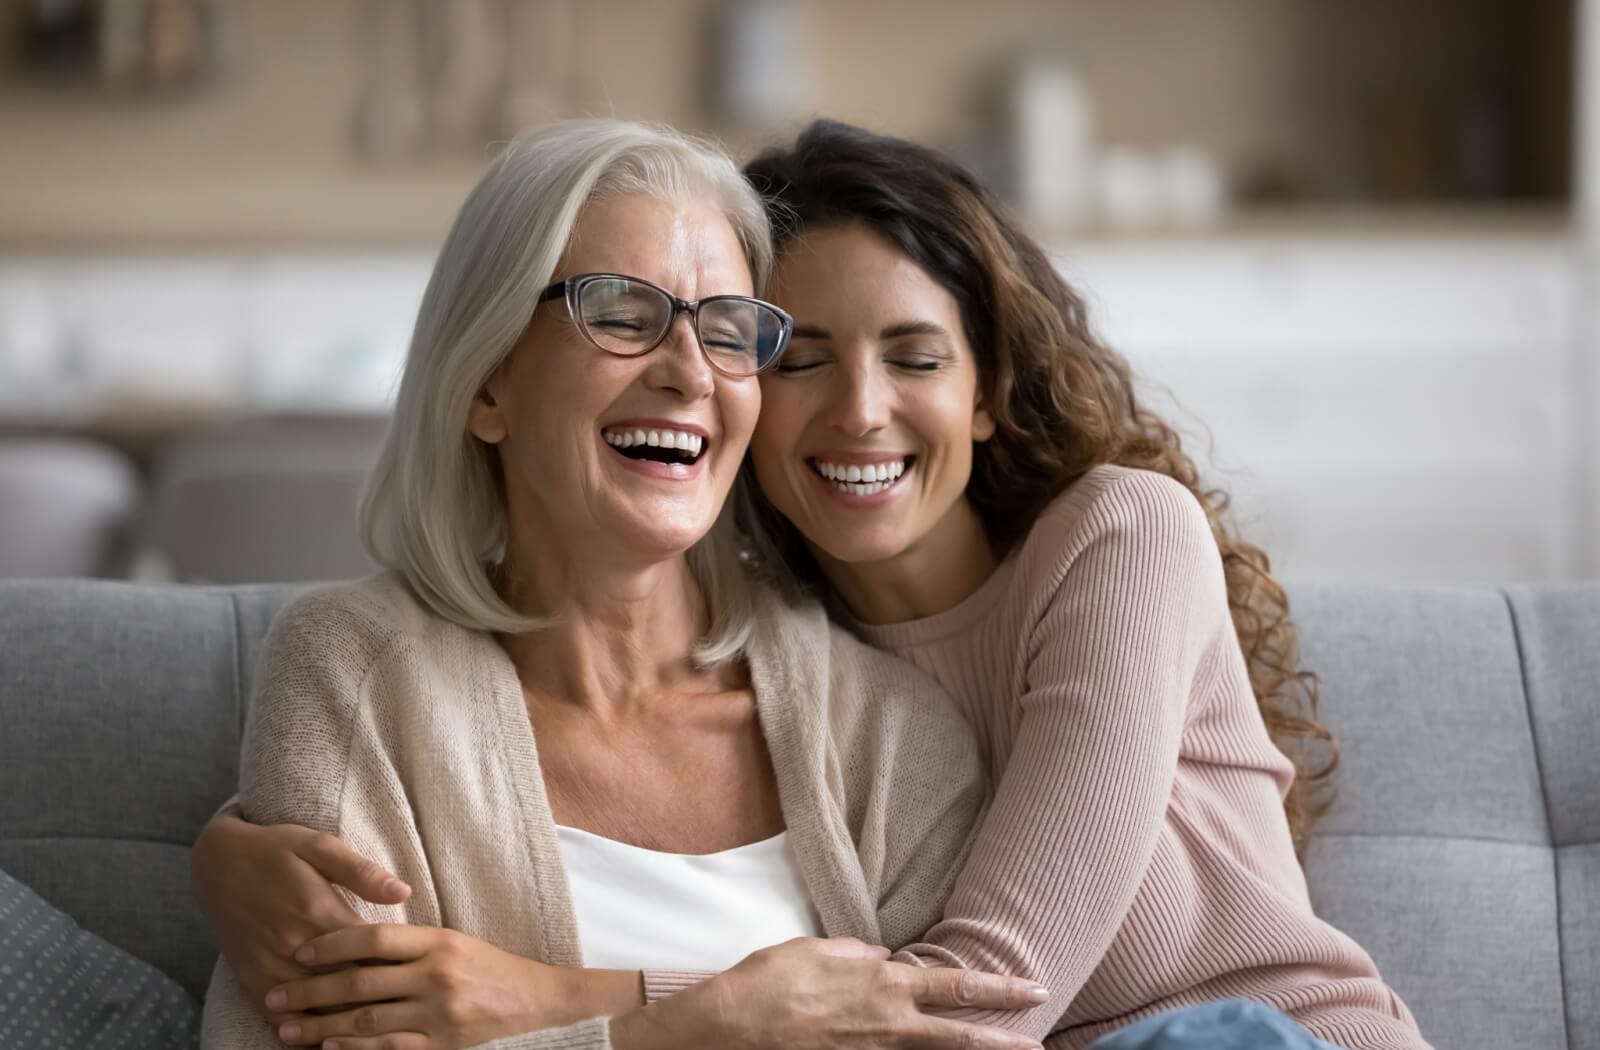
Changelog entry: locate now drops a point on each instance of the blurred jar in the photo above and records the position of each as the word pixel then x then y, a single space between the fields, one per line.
pixel 1177 185
pixel 1052 139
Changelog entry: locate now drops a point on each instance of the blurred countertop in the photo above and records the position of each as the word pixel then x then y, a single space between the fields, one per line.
pixel 415 212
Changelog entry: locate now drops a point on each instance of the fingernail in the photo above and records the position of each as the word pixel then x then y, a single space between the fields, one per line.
pixel 277 999
pixel 331 1044
pixel 393 888
pixel 289 1031
pixel 305 954
pixel 1038 995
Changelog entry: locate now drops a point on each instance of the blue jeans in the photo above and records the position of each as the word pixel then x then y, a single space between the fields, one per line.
pixel 1231 1024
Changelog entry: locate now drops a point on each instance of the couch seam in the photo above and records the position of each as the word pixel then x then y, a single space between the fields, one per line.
pixel 238 678
pixel 1544 796
pixel 1436 837
pixel 141 840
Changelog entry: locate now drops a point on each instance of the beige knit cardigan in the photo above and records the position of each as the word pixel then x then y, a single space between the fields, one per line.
pixel 406 735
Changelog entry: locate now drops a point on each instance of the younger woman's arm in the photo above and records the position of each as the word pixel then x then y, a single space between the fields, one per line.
pixel 1079 806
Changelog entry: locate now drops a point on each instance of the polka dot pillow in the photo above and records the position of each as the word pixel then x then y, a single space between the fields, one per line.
pixel 62 988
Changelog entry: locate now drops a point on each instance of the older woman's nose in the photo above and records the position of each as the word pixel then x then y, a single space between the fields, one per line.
pixel 860 403
pixel 679 365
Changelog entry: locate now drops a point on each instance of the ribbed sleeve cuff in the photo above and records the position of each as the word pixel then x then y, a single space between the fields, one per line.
pixel 658 984
pixel 593 1034
pixel 911 958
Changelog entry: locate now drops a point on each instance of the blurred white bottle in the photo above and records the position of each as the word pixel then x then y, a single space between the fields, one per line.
pixel 760 66
pixel 1052 136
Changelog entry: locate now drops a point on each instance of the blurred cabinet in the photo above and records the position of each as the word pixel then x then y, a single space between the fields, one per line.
pixel 1383 410
pixel 83 335
pixel 1387 409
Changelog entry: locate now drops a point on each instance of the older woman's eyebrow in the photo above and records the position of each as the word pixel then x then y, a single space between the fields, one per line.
pixel 810 331
pixel 904 328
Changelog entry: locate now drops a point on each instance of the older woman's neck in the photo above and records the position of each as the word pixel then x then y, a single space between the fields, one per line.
pixel 618 636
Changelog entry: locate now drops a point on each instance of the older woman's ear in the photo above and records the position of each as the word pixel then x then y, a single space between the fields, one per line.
pixel 485 419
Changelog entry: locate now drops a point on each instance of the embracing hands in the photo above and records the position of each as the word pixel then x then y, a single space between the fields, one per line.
pixel 295 945
pixel 268 890
pixel 416 988
pixel 809 994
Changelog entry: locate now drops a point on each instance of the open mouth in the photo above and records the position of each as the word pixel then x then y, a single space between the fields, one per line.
pixel 658 446
pixel 863 479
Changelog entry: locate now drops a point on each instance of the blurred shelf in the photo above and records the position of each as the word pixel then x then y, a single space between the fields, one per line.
pixel 376 209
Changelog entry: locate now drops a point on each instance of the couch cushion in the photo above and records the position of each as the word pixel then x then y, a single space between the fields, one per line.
pixel 1437 854
pixel 120 716
pixel 68 988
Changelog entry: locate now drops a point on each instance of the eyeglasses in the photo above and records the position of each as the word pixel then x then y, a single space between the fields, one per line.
pixel 629 317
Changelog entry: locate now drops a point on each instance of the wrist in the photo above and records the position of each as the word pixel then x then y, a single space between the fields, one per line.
pixel 668 1025
pixel 638 1028
pixel 559 995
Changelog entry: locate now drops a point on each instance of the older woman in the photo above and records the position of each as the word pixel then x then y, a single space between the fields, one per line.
pixel 565 716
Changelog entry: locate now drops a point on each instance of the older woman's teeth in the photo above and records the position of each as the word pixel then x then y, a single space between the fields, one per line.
pixel 858 480
pixel 681 440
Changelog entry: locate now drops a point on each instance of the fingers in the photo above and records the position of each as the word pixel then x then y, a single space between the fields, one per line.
pixel 393 942
pixel 348 987
pixel 373 1021
pixel 946 988
pixel 258 975
pixel 343 866
pixel 393 1041
pixel 940 1034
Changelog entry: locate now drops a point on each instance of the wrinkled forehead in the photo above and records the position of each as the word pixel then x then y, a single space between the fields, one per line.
pixel 686 245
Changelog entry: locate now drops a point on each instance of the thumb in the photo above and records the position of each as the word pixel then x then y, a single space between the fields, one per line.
pixel 343 866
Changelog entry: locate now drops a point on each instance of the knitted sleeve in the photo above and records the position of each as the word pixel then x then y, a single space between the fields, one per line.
pixel 1111 665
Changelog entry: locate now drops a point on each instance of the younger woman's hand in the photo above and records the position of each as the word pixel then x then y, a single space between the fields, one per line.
pixel 268 890
pixel 422 988
pixel 809 994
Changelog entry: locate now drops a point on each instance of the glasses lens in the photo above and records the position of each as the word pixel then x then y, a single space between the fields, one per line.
pixel 623 316
pixel 741 336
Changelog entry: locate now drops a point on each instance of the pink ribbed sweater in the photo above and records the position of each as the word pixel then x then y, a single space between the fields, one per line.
pixel 1136 857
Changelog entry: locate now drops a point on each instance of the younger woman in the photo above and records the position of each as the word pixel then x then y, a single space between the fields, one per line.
pixel 949 455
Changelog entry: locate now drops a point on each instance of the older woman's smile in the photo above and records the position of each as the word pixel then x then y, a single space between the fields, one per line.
pixel 658 448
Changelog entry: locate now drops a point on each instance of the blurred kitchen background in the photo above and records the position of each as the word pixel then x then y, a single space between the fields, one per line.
pixel 1350 245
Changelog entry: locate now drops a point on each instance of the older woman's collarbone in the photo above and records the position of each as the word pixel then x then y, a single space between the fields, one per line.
pixel 700 787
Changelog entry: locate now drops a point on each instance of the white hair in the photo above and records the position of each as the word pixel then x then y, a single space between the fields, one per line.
pixel 433 510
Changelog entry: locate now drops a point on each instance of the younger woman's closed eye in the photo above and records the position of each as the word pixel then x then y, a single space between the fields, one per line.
pixel 795 364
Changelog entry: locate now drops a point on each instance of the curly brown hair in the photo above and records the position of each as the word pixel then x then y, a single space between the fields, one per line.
pixel 1043 374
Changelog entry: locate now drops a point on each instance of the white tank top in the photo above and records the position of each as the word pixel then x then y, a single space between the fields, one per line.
pixel 641 909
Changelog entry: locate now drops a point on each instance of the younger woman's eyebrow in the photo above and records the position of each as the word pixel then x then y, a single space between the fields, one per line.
pixel 905 328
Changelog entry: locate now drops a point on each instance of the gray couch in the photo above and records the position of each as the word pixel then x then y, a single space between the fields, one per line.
pixel 1464 851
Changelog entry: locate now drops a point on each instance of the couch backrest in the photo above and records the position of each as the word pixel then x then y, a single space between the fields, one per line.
pixel 121 708
pixel 1463 851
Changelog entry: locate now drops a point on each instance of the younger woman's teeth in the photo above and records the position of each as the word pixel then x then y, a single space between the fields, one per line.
pixel 853 473
pixel 862 480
